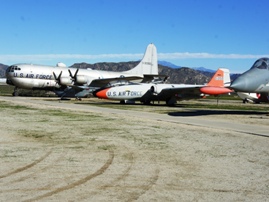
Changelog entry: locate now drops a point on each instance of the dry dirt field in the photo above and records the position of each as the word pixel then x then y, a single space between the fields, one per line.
pixel 60 153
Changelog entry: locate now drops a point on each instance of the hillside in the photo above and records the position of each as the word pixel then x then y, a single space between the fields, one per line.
pixel 176 75
pixel 3 70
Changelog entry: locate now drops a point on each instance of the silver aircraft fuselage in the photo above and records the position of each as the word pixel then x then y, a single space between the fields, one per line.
pixel 29 76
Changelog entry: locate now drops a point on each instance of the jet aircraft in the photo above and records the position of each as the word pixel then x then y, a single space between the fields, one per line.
pixel 148 92
pixel 79 82
pixel 255 80
pixel 253 97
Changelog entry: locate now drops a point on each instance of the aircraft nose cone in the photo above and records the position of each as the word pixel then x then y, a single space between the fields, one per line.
pixel 101 94
pixel 239 84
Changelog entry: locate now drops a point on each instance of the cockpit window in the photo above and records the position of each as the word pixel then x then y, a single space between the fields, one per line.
pixel 12 68
pixel 262 63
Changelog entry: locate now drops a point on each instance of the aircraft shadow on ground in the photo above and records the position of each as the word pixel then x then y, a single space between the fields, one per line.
pixel 194 112
pixel 202 112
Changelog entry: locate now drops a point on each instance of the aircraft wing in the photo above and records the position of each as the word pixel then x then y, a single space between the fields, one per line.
pixel 192 91
pixel 184 91
pixel 104 82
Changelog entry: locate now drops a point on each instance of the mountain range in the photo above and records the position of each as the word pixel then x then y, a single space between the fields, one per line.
pixel 169 64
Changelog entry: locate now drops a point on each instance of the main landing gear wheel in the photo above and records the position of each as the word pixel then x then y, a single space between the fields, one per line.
pixel 15 92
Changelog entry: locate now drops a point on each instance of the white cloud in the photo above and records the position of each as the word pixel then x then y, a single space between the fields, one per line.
pixel 187 55
pixel 161 56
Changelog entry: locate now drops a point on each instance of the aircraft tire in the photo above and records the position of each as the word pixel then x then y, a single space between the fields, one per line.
pixel 15 94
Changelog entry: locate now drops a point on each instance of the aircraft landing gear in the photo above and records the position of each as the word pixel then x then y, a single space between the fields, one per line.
pixel 171 101
pixel 15 92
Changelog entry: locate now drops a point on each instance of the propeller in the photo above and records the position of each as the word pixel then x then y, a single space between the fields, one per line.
pixel 57 78
pixel 73 77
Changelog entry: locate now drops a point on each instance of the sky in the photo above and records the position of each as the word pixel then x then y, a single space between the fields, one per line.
pixel 189 33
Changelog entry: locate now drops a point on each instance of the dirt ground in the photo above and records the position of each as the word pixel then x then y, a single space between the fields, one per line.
pixel 56 154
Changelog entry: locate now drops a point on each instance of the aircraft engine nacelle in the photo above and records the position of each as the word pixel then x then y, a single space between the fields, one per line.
pixel 67 81
pixel 81 79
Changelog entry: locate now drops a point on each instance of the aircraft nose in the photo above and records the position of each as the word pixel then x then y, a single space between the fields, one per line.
pixel 239 84
pixel 101 93
pixel 246 83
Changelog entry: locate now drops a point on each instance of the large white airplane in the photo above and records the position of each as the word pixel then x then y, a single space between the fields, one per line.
pixel 59 78
pixel 147 92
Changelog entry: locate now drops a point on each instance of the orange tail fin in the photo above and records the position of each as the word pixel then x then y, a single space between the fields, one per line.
pixel 221 78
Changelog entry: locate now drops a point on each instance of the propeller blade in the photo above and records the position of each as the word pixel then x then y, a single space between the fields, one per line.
pixel 76 73
pixel 57 78
pixel 74 78
pixel 70 73
pixel 60 75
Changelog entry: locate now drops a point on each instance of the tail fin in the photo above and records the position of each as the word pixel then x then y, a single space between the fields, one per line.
pixel 149 63
pixel 221 78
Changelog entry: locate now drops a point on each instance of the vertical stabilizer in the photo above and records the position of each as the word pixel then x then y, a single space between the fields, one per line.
pixel 149 63
pixel 221 78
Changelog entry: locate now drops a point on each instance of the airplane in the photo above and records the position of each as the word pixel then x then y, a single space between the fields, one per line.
pixel 253 97
pixel 63 80
pixel 255 80
pixel 170 93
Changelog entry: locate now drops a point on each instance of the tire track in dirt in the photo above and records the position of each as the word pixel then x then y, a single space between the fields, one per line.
pixel 129 196
pixel 145 188
pixel 36 172
pixel 124 175
pixel 79 182
pixel 27 166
